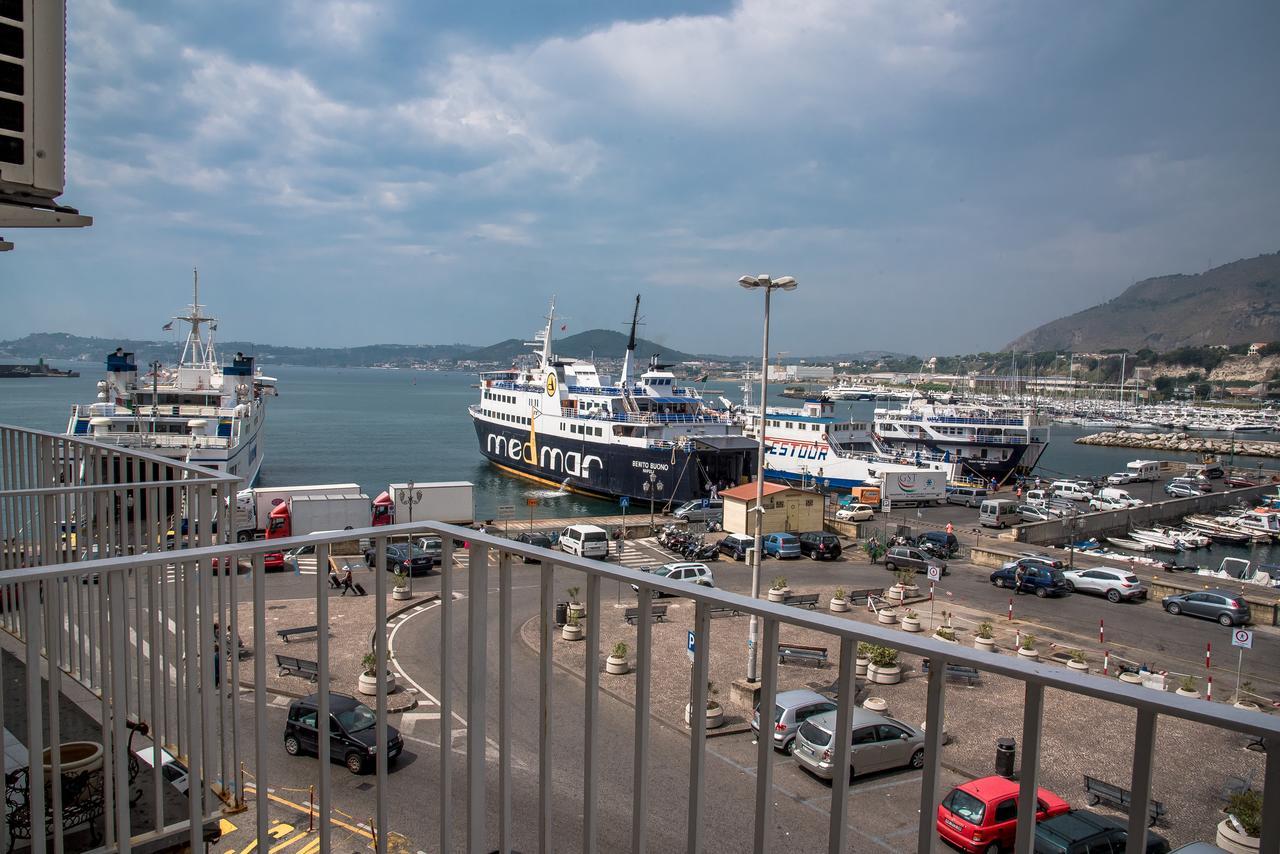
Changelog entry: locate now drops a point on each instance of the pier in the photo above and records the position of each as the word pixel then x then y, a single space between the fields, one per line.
pixel 1183 442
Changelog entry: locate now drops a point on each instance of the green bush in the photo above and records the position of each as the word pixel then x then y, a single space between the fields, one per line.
pixel 882 656
pixel 1246 806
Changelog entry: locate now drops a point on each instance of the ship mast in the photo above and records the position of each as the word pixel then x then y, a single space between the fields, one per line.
pixel 201 352
pixel 628 359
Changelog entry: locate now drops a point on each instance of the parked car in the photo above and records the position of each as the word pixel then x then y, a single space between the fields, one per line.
pixel 1036 578
pixel 701 510
pixel 941 542
pixel 1040 558
pixel 171 768
pixel 1123 478
pixel 534 538
pixel 1199 483
pixel 1104 505
pixel 855 513
pixel 1181 490
pixel 878 742
pixel 694 573
pixel 1226 607
pixel 1238 482
pixel 782 545
pixel 736 545
pixel 908 557
pixel 1035 514
pixel 1085 832
pixel 820 545
pixel 792 708
pixel 1072 490
pixel 352 732
pixel 981 816
pixel 433 548
pixel 399 559
pixel 1115 584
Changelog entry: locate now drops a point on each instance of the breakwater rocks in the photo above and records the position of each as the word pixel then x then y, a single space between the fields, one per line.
pixel 1182 442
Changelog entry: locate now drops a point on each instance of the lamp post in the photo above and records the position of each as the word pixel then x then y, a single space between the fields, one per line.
pixel 769 285
pixel 409 498
pixel 651 488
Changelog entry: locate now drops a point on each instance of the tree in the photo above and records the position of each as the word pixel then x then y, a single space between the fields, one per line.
pixel 1203 390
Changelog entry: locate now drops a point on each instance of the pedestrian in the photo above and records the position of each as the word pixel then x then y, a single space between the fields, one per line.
pixel 1019 492
pixel 346 581
pixel 994 486
pixel 950 529
pixel 1018 575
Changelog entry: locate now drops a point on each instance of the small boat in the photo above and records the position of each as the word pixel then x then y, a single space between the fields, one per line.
pixel 1189 539
pixel 1239 569
pixel 1130 545
pixel 1155 539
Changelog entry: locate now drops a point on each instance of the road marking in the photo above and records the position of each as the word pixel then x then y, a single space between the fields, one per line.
pixel 278 830
pixel 287 843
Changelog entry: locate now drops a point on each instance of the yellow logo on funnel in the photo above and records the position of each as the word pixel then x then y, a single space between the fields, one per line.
pixel 551 385
pixel 531 446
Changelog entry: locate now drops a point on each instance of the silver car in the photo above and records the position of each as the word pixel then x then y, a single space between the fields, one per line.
pixel 1115 584
pixel 879 742
pixel 792 708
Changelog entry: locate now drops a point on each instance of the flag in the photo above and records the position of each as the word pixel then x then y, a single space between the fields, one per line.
pixel 703 378
pixel 168 326
pixel 563 327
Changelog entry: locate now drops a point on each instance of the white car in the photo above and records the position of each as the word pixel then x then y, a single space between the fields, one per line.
pixel 694 573
pixel 1121 478
pixel 855 513
pixel 1115 584
pixel 1104 504
pixel 1072 491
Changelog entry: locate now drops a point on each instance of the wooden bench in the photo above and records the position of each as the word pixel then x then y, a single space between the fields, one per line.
pixel 803 600
pixel 799 652
pixel 290 666
pixel 657 614
pixel 1099 792
pixel 723 611
pixel 285 634
pixel 860 597
pixel 959 672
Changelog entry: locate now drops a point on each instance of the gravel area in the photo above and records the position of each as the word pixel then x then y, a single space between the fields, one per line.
pixel 1081 735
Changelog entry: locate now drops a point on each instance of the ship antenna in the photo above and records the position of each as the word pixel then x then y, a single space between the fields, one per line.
pixel 625 378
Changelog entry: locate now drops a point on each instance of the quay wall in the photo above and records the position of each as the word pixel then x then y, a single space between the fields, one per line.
pixel 1117 522
pixel 1241 446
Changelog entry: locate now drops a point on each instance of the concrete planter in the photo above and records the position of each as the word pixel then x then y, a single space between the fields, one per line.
pixel 571 632
pixel 876 704
pixel 839 606
pixel 1245 705
pixel 401 593
pixel 888 616
pixel 616 666
pixel 911 624
pixel 1231 840
pixel 1182 692
pixel 1032 654
pixel 1131 678
pixel 939 637
pixel 860 665
pixel 779 594
pixel 898 593
pixel 985 644
pixel 715 715
pixel 576 609
pixel 946 737
pixel 368 684
pixel 884 675
pixel 1082 666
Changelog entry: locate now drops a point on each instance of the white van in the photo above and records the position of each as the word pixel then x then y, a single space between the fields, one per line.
pixel 585 541
pixel 999 513
pixel 1147 470
pixel 1118 496
pixel 1072 489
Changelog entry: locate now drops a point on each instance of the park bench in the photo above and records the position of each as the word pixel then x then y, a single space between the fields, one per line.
pixel 1099 792
pixel 290 666
pixel 859 597
pixel 285 634
pixel 723 611
pixel 803 600
pixel 958 672
pixel 799 652
pixel 657 614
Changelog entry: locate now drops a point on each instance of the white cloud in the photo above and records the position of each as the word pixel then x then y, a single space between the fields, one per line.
pixel 336 23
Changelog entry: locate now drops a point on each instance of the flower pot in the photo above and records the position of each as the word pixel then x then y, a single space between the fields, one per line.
pixel 876 704
pixel 1247 706
pixel 715 715
pixel 1131 678
pixel 1232 840
pixel 911 624
pixel 577 609
pixel 401 593
pixel 985 644
pixel 888 616
pixel 891 675
pixel 617 666
pixel 75 757
pixel 1028 653
pixel 860 665
pixel 779 594
pixel 939 637
pixel 368 684
pixel 839 605
pixel 1182 692
pixel 1082 666
pixel 570 632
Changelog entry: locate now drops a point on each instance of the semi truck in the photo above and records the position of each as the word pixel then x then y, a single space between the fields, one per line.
pixel 253 506
pixel 315 513
pixel 452 502
pixel 912 486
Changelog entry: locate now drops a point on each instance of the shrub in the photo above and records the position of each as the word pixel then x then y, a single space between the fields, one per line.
pixel 946 634
pixel 400 577
pixel 619 650
pixel 779 582
pixel 906 577
pixel 883 656
pixel 572 619
pixel 864 649
pixel 912 615
pixel 1188 683
pixel 986 631
pixel 1246 806
pixel 573 594
pixel 1028 641
pixel 1077 656
pixel 839 593
pixel 369 662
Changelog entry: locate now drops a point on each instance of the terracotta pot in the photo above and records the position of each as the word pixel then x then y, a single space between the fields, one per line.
pixel 779 595
pixel 571 632
pixel 1029 653
pixel 911 624
pixel 715 715
pixel 860 665
pixel 888 616
pixel 401 593
pixel 1082 666
pixel 368 683
pixel 884 675
pixel 839 605
pixel 1231 840
pixel 985 644
pixel 617 666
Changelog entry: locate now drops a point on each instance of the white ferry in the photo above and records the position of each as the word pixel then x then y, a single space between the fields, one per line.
pixel 200 412
pixel 560 423
pixel 970 440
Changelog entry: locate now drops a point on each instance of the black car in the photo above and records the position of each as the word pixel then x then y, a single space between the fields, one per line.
pixel 940 542
pixel 1084 832
pixel 533 538
pixel 820 545
pixel 398 558
pixel 352 732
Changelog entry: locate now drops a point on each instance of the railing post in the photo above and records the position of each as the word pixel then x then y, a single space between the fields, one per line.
pixel 640 759
pixel 383 791
pixel 35 714
pixel 698 725
pixel 322 688
pixel 505 629
pixel 477 626
pixel 545 627
pixel 591 736
pixel 446 693
pixel 1144 748
pixel 764 746
pixel 935 706
pixel 261 781
pixel 837 833
pixel 1029 772
pixel 119 763
pixel 1270 840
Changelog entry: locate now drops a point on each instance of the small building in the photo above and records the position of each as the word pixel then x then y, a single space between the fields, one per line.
pixel 785 509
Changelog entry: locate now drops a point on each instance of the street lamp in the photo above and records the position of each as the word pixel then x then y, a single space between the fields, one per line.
pixel 409 498
pixel 786 283
pixel 651 488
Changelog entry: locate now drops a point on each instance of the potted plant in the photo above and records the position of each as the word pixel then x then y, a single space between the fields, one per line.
pixel 1239 831
pixel 715 713
pixel 1241 703
pixel 863 661
pixel 1077 661
pixel 401 588
pixel 985 639
pixel 905 588
pixel 839 604
pixel 946 635
pixel 1027 649
pixel 911 621
pixel 368 683
pixel 888 616
pixel 572 630
pixel 1187 687
pixel 617 663
pixel 884 669
pixel 575 607
pixel 779 591
pixel 876 704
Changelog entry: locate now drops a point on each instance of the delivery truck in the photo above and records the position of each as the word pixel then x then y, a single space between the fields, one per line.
pixel 309 514
pixel 253 506
pixel 452 502
pixel 912 486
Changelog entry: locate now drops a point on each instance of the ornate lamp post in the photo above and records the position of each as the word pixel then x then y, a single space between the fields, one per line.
pixel 652 487
pixel 408 498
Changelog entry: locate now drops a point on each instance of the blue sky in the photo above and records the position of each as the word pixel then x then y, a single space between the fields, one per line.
pixel 939 177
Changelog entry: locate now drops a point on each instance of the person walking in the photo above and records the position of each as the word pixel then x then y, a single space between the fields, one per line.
pixel 346 581
pixel 1018 574
pixel 950 529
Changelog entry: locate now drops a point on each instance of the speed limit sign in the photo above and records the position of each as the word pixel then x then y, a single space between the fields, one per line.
pixel 1242 638
pixel 935 572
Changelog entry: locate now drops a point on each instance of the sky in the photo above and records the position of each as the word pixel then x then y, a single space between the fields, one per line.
pixel 939 177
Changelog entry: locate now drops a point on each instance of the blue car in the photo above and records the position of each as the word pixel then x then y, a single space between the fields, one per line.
pixel 1037 577
pixel 782 545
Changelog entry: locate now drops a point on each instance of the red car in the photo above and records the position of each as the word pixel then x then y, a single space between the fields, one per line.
pixel 980 816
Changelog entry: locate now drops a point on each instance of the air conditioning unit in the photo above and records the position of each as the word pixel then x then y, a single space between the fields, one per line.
pixel 33 61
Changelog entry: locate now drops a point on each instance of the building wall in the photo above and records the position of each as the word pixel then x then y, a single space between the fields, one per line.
pixel 792 511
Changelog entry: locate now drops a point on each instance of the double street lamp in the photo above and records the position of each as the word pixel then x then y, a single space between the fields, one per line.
pixel 651 488
pixel 769 285
pixel 408 498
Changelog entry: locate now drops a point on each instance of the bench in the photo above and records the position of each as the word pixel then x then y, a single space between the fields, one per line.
pixel 1099 792
pixel 285 634
pixel 723 611
pixel 804 600
pixel 657 614
pixel 860 597
pixel 958 672
pixel 799 652
pixel 290 666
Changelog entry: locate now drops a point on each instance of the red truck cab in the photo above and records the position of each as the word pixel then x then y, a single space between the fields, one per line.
pixel 981 816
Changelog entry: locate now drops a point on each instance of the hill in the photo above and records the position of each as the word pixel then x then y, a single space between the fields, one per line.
pixel 603 343
pixel 1237 303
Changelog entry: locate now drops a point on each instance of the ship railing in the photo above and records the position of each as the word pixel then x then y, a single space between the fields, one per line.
pixel 514 386
pixel 163 440
pixel 889 415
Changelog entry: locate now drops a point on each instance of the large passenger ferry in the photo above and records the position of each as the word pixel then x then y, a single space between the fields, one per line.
pixel 559 422
pixel 969 440
pixel 200 411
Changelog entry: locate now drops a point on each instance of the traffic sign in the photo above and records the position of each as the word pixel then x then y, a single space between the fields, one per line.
pixel 532 502
pixel 935 572
pixel 692 645
pixel 506 511
pixel 888 505
pixel 1240 637
pixel 706 502
pixel 624 502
